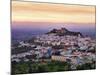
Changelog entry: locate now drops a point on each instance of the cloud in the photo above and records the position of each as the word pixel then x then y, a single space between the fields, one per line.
pixel 56 13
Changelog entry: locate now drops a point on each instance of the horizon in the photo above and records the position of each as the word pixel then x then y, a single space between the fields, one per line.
pixel 25 33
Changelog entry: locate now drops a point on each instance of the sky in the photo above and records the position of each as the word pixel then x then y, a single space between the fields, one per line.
pixel 33 14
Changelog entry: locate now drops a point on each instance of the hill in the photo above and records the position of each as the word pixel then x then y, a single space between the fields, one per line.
pixel 64 31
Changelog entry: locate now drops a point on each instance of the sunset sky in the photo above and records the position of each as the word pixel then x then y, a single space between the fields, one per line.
pixel 32 12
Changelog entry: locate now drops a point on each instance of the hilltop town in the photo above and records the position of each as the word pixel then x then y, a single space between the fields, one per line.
pixel 59 45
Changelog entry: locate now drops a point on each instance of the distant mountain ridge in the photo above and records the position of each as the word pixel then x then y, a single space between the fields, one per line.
pixel 64 31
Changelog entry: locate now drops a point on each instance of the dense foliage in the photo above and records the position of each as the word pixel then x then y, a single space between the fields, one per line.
pixel 39 67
